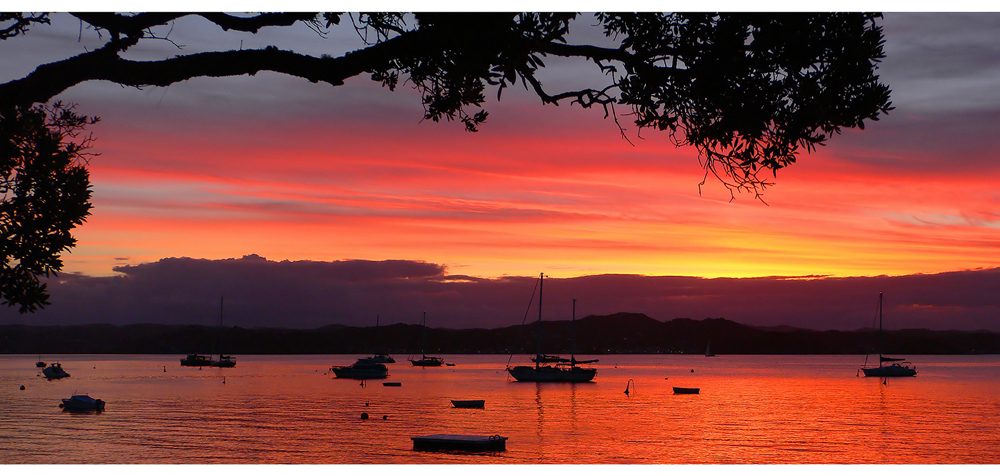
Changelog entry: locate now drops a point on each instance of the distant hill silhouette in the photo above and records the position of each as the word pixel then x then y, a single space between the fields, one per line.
pixel 626 333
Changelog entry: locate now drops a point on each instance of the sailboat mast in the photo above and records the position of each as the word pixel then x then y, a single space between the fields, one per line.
pixel 538 354
pixel 423 346
pixel 221 308
pixel 880 329
pixel 572 338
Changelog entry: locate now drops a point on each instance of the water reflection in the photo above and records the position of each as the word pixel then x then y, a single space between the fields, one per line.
pixel 283 409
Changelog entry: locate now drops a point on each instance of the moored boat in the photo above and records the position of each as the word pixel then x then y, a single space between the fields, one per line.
pixel 687 390
pixel 82 403
pixel 424 360
pixel 383 359
pixel 888 366
pixel 197 360
pixel 225 361
pixel 469 403
pixel 363 369
pixel 54 371
pixel 564 370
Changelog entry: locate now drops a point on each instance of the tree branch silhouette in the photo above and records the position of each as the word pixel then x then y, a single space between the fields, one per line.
pixel 749 91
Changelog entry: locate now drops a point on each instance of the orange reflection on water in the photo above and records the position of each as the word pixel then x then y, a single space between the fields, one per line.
pixel 288 409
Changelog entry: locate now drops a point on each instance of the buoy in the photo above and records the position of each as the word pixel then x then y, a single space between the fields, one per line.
pixel 366 404
pixel 22 387
pixel 164 368
pixel 385 417
pixel 223 380
pixel 692 370
pixel 364 416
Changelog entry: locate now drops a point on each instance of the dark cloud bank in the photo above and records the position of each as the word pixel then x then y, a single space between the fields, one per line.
pixel 310 294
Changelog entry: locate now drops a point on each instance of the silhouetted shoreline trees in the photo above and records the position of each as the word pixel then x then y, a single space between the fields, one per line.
pixel 622 333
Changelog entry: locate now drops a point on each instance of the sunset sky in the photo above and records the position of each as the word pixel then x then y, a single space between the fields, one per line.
pixel 285 169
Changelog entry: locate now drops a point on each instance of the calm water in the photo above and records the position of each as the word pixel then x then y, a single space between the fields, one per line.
pixel 286 409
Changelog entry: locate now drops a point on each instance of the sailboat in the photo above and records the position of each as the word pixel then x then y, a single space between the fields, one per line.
pixel 382 358
pixel 424 360
pixel 40 364
pixel 888 366
pixel 197 360
pixel 226 361
pixel 564 370
pixel 708 350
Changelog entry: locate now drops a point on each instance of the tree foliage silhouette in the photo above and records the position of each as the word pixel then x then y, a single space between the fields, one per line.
pixel 748 91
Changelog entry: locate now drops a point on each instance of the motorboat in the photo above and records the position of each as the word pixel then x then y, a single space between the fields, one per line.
pixel 469 403
pixel 196 360
pixel 687 390
pixel 225 361
pixel 82 403
pixel 383 359
pixel 426 361
pixel 363 369
pixel 54 371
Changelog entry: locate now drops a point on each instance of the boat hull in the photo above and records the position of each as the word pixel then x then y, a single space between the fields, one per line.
pixel 523 373
pixel 54 371
pixel 469 403
pixel 361 371
pixel 224 362
pixel 426 363
pixel 82 403
pixel 687 390
pixel 383 359
pixel 195 360
pixel 890 371
pixel 469 443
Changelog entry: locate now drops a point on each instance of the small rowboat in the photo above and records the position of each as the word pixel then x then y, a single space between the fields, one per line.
pixel 686 390
pixel 469 403
pixel 392 384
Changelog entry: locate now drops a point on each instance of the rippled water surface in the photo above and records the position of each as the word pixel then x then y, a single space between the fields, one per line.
pixel 288 409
